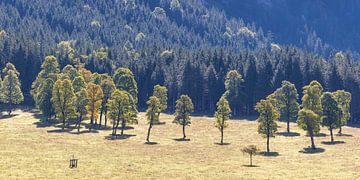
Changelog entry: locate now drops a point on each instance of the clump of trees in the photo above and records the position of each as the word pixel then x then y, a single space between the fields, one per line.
pixel 329 109
pixel 63 98
pixel 77 93
pixel 122 109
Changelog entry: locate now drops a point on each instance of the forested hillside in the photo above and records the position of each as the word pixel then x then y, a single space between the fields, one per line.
pixel 316 25
pixel 183 44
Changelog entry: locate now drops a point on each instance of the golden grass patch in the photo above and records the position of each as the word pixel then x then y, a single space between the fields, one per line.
pixel 31 152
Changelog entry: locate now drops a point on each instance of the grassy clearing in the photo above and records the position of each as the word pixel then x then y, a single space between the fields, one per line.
pixel 34 151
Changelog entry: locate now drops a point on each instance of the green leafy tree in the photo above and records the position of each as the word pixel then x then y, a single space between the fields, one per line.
pixel 80 103
pixel 108 87
pixel 222 114
pixel 232 86
pixel 251 150
pixel 79 83
pixel 311 99
pixel 286 101
pixel 86 74
pixel 184 107
pixel 7 68
pixel 44 99
pixel 268 116
pixel 96 78
pixel 343 99
pixel 70 72
pixel 310 122
pixel 122 109
pixel 49 69
pixel 124 80
pixel 63 98
pixel 11 90
pixel 95 95
pixel 152 113
pixel 331 113
pixel 161 93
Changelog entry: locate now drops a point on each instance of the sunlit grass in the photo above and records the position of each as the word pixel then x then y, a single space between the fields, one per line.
pixel 31 152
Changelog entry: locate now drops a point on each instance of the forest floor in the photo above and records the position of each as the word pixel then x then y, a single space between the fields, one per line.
pixel 30 149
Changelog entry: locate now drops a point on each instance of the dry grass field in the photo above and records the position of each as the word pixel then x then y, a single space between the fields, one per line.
pixel 32 150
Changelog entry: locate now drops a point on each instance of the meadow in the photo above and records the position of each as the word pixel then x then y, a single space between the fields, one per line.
pixel 31 149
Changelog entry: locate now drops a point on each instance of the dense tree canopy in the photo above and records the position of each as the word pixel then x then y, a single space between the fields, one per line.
pixel 182 45
pixel 122 109
pixel 63 98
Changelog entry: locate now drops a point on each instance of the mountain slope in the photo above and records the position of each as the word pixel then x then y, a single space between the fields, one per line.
pixel 296 22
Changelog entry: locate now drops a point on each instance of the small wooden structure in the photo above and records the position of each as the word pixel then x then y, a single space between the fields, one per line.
pixel 73 162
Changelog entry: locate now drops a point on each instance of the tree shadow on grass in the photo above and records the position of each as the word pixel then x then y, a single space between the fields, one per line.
pixel 222 144
pixel 318 135
pixel 288 134
pixel 310 150
pixel 7 116
pixel 83 132
pixel 160 123
pixel 42 123
pixel 119 136
pixel 181 139
pixel 344 135
pixel 251 166
pixel 269 154
pixel 59 130
pixel 150 143
pixel 332 143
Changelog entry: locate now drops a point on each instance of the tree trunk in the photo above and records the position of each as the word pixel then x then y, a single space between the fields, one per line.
pixel 251 160
pixel 331 133
pixel 312 140
pixel 222 135
pixel 91 121
pixel 117 125
pixel 80 119
pixel 184 136
pixel 340 130
pixel 268 143
pixel 63 118
pixel 105 118
pixel 101 114
pixel 10 109
pixel 148 134
pixel 122 126
pixel 288 123
pixel 113 129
